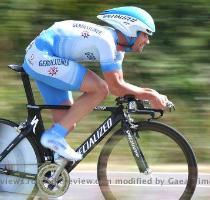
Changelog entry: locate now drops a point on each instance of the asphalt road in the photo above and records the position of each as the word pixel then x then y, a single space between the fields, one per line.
pixel 84 186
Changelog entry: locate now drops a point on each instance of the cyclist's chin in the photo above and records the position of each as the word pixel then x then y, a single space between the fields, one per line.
pixel 141 49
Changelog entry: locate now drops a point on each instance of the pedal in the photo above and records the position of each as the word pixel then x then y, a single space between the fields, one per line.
pixel 53 180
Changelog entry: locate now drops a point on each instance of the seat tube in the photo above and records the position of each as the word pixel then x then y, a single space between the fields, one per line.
pixel 33 110
pixel 27 88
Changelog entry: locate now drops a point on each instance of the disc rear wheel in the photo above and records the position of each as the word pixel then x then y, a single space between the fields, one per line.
pixel 23 158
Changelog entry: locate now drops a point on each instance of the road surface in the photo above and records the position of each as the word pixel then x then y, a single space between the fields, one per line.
pixel 84 186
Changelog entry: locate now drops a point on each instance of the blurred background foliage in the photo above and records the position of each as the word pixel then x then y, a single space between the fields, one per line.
pixel 176 63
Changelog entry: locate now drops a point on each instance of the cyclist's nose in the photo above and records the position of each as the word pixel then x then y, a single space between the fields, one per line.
pixel 147 41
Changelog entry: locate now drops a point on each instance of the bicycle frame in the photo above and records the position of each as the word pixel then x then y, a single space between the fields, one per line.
pixel 34 124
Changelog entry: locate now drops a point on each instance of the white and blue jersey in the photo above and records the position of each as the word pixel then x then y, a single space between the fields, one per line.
pixel 53 58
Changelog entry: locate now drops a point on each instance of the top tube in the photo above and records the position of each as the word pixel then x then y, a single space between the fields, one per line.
pixel 61 107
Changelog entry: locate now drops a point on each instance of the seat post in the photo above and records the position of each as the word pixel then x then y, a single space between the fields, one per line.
pixel 28 88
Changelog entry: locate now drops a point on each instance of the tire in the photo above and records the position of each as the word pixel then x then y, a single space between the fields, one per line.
pixel 167 153
pixel 24 157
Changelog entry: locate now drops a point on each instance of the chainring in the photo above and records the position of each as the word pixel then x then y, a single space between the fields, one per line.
pixel 49 187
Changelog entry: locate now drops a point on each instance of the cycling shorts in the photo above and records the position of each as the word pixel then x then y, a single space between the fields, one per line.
pixel 54 76
pixel 52 95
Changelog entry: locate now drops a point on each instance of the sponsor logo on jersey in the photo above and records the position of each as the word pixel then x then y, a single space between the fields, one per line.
pixel 90 56
pixel 90 28
pixel 85 34
pixel 53 71
pixel 58 61
pixel 31 59
pixel 123 17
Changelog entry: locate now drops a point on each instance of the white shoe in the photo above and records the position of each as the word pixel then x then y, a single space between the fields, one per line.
pixel 52 140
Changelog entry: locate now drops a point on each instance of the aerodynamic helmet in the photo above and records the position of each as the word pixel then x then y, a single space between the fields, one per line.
pixel 129 20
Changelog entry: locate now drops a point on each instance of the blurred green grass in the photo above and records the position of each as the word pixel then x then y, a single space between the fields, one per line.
pixel 188 119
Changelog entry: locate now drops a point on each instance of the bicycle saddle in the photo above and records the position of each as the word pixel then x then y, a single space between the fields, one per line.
pixel 17 68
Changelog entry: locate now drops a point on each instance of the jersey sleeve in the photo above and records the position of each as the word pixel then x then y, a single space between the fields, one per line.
pixel 110 59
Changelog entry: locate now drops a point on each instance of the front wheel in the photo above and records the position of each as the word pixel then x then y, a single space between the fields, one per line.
pixel 168 155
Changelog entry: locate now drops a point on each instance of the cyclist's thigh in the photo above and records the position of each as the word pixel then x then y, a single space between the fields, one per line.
pixel 54 96
pixel 93 82
pixel 59 73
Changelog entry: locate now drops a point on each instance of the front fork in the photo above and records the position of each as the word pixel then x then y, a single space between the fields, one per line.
pixel 136 150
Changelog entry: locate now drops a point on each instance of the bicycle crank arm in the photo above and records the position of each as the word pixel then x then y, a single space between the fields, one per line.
pixel 58 171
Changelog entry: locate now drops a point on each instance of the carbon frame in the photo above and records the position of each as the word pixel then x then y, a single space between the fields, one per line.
pixel 34 125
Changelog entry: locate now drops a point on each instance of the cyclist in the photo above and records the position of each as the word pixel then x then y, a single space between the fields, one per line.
pixel 53 60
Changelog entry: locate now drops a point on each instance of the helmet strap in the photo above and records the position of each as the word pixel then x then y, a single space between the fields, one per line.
pixel 129 40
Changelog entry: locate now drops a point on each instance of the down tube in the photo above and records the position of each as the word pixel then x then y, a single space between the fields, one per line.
pixel 97 136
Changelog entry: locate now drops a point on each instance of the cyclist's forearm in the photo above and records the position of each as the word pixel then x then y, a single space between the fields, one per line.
pixel 119 87
pixel 124 88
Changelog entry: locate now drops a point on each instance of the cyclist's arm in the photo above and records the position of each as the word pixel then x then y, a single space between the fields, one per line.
pixel 119 87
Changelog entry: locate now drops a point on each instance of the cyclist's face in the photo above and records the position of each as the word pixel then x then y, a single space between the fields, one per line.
pixel 140 42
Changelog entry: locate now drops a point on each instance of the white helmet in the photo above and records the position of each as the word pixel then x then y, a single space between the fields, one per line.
pixel 129 20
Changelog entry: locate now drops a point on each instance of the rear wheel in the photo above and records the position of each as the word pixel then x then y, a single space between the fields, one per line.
pixel 23 158
pixel 169 156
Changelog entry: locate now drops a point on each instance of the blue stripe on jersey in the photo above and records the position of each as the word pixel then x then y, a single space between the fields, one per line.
pixel 59 46
pixel 56 44
pixel 43 45
pixel 45 40
pixel 111 67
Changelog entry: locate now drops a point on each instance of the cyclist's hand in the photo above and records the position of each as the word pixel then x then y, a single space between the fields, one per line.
pixel 161 102
pixel 170 106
